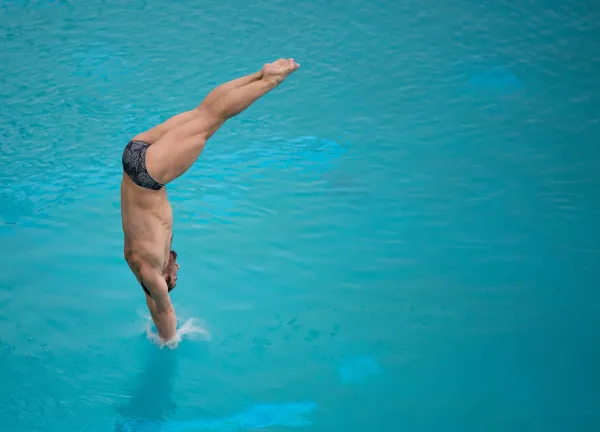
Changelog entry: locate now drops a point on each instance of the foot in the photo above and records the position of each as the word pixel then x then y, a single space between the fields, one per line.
pixel 279 70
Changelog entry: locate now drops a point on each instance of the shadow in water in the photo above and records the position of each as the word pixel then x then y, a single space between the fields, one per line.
pixel 151 408
pixel 152 400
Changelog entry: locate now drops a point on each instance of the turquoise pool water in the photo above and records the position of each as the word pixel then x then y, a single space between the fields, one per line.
pixel 403 237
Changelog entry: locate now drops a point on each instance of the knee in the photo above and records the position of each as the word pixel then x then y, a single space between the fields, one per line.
pixel 209 112
pixel 208 120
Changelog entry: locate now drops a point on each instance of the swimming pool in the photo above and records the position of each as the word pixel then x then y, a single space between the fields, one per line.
pixel 403 237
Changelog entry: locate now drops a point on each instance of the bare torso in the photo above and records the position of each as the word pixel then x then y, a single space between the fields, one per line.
pixel 147 224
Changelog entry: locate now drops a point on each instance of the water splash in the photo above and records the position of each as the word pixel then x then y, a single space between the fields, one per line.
pixel 191 329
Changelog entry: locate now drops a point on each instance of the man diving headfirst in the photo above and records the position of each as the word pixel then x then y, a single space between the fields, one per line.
pixel 158 156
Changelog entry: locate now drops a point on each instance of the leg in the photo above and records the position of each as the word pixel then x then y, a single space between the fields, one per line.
pixel 157 132
pixel 178 149
pixel 223 106
pixel 228 86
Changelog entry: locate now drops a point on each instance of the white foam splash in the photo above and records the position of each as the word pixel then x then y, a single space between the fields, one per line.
pixel 192 329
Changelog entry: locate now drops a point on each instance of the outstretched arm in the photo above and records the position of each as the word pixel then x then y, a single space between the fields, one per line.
pixel 159 304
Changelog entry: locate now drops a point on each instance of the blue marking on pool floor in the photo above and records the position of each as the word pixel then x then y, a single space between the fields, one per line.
pixel 304 153
pixel 260 416
pixel 308 154
pixel 497 80
pixel 359 369
pixel 314 149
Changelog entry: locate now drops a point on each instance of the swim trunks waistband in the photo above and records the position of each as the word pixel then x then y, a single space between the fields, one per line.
pixel 134 164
